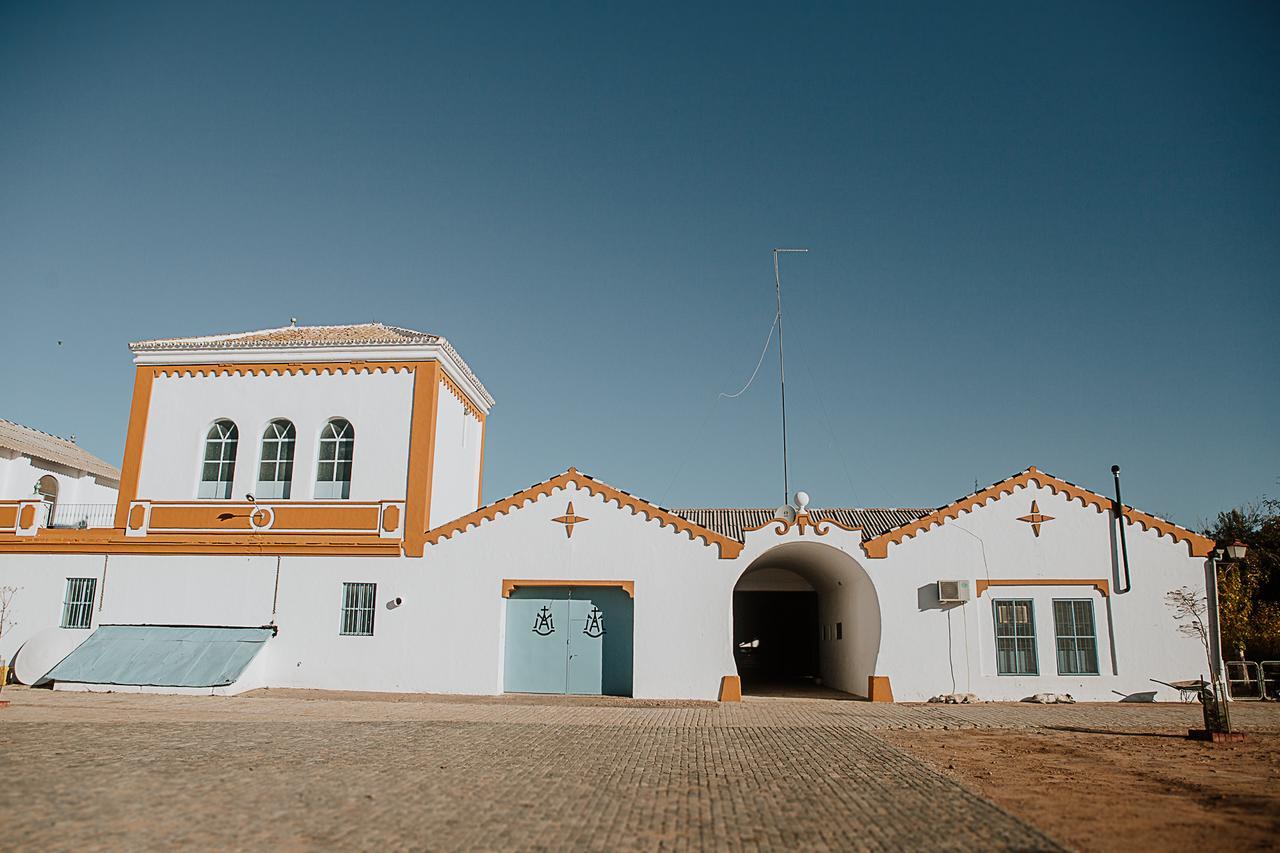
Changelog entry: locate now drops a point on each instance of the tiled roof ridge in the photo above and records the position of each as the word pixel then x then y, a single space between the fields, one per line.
pixel 213 341
pixel 38 444
pixel 393 335
pixel 728 548
pixel 42 432
pixel 1198 545
pixel 808 509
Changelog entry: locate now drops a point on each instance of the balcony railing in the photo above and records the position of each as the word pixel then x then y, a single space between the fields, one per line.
pixel 80 516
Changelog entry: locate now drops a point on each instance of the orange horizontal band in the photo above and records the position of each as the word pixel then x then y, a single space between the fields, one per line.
pixel 510 586
pixel 1099 584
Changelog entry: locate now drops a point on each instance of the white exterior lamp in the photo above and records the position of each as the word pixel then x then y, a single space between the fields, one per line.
pixel 1236 550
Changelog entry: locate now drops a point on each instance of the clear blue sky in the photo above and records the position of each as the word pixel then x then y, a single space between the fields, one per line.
pixel 1041 234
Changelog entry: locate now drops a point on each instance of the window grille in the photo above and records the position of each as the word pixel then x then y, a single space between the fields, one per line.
pixel 1016 637
pixel 357 609
pixel 219 467
pixel 275 470
pixel 77 607
pixel 337 446
pixel 1077 639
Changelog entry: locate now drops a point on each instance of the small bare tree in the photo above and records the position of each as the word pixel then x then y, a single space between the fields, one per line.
pixel 1191 612
pixel 7 622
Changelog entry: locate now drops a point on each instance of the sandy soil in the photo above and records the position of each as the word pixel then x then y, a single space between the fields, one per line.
pixel 1115 790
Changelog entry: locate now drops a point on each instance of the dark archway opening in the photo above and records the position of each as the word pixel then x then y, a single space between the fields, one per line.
pixel 806 623
pixel 775 639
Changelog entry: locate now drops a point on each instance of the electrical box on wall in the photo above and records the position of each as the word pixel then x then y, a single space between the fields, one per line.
pixel 953 592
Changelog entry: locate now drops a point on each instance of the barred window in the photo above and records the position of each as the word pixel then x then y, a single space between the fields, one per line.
pixel 333 471
pixel 219 469
pixel 1016 637
pixel 275 470
pixel 357 609
pixel 77 607
pixel 1076 637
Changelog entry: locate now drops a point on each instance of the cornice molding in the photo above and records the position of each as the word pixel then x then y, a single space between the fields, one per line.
pixel 1199 546
pixel 452 388
pixel 729 548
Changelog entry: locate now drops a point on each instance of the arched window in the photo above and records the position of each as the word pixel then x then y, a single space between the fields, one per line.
pixel 275 470
pixel 333 474
pixel 219 460
pixel 47 489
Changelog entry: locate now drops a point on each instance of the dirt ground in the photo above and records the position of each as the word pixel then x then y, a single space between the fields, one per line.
pixel 1095 789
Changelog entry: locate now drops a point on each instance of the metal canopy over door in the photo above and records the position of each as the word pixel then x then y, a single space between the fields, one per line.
pixel 567 640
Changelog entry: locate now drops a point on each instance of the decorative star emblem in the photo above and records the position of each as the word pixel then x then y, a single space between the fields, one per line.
pixel 1035 519
pixel 569 520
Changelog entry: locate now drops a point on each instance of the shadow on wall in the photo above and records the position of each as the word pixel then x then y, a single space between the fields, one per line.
pixel 927 599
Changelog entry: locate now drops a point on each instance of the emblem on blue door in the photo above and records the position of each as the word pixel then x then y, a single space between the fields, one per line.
pixel 542 624
pixel 595 623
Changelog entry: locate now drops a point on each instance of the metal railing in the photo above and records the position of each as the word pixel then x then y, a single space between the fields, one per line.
pixel 80 516
pixel 1248 679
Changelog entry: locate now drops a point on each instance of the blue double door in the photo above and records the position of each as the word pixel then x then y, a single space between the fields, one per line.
pixel 574 640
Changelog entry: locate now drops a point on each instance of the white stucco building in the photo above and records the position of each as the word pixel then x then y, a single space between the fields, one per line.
pixel 301 507
pixel 76 488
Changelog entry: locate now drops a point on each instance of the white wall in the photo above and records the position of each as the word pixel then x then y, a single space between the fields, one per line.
pixel 41 585
pixel 18 476
pixel 923 644
pixel 448 636
pixel 455 483
pixel 378 405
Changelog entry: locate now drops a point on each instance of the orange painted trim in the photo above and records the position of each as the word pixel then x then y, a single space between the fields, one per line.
pixel 1100 584
pixel 9 515
pixel 422 457
pixel 131 466
pixel 729 548
pixel 879 689
pixel 730 689
pixel 480 475
pixel 1199 546
pixel 285 368
pixel 452 388
pixel 804 521
pixel 510 586
pixel 294 368
pixel 287 516
pixel 108 541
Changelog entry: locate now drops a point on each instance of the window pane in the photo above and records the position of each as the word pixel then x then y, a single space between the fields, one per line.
pixel 1015 637
pixel 1076 640
pixel 357 609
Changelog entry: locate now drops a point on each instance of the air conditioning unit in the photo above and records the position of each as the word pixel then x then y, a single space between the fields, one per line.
pixel 953 592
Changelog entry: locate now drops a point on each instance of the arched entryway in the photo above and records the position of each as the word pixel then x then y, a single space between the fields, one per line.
pixel 806 618
pixel 47 489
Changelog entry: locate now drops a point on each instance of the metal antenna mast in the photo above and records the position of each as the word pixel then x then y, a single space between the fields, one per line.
pixel 782 373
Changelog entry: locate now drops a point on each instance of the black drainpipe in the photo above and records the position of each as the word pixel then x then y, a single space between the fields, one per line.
pixel 1118 509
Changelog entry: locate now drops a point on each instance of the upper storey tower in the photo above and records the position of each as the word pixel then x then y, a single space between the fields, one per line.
pixel 309 422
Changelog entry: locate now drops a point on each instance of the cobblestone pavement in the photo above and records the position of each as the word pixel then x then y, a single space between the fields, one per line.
pixel 113 770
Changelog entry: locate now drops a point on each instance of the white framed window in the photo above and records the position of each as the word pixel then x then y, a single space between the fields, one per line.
pixel 219 468
pixel 1016 637
pixel 1076 636
pixel 357 609
pixel 275 466
pixel 337 448
pixel 77 606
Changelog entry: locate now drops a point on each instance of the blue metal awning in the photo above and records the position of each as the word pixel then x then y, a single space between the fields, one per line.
pixel 161 656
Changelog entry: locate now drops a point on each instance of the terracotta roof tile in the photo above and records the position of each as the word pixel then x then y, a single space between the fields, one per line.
pixel 734 522
pixel 51 448
pixel 301 337
pixel 359 334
